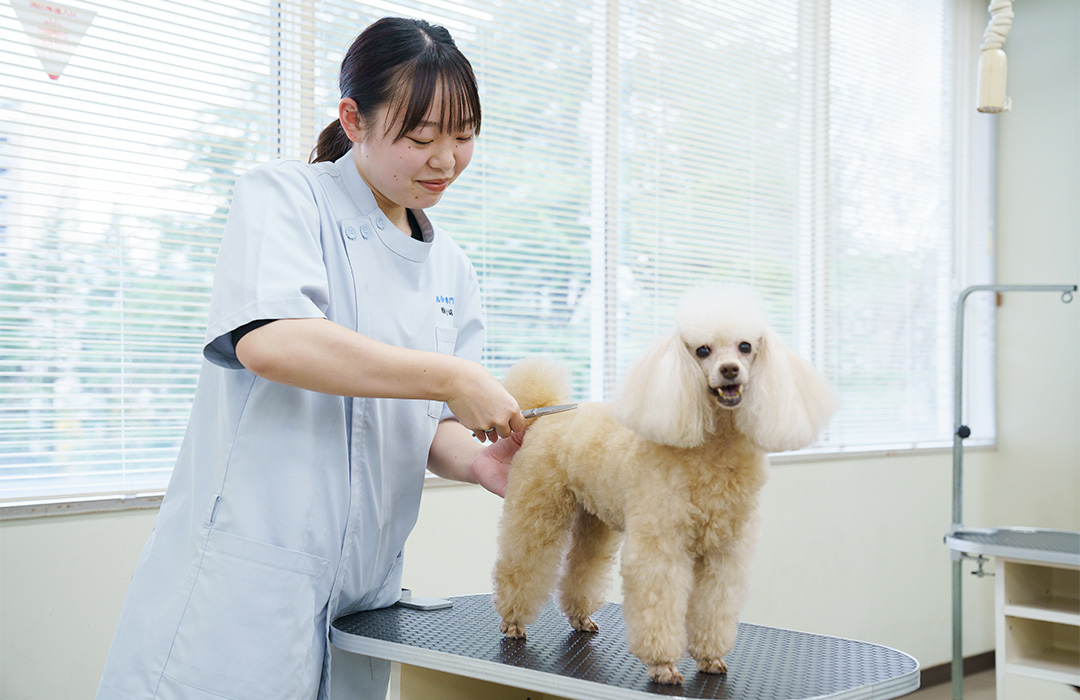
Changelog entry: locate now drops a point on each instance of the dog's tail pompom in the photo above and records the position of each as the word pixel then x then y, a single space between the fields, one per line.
pixel 788 404
pixel 664 398
pixel 536 382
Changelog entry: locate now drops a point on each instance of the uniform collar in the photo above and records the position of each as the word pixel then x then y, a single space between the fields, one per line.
pixel 354 184
pixel 389 235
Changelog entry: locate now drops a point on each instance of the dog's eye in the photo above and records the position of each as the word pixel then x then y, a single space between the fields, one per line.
pixel 704 351
pixel 745 348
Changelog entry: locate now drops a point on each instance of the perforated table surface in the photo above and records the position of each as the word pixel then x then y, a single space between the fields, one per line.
pixel 766 664
pixel 1028 544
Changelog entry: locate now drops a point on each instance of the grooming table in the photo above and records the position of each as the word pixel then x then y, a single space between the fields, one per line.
pixel 766 663
pixel 1023 544
pixel 1036 600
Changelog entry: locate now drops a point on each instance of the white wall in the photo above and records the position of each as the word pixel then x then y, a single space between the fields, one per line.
pixel 849 547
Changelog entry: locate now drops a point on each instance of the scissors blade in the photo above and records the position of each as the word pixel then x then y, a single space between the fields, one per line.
pixel 547 410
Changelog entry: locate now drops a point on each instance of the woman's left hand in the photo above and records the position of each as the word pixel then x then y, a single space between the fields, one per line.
pixel 491 468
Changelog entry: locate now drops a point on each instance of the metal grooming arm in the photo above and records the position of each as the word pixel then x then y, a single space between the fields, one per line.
pixel 962 431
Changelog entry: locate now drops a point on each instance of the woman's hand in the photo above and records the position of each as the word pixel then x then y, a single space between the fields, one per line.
pixel 491 468
pixel 456 455
pixel 482 405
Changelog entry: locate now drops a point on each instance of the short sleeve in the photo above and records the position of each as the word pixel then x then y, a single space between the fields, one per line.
pixel 270 263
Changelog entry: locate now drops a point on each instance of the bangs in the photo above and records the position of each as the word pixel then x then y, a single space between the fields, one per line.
pixel 436 73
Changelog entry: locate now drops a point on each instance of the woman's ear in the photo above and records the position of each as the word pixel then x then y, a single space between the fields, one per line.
pixel 665 397
pixel 787 403
pixel 351 121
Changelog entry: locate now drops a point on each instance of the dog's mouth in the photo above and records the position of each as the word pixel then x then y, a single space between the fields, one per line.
pixel 728 395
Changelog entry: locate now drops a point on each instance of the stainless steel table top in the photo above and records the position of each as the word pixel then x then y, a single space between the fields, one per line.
pixel 767 663
pixel 1027 544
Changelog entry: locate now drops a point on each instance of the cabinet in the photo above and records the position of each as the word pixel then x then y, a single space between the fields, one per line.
pixel 1038 621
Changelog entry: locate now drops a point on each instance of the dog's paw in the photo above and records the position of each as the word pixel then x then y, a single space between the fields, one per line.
pixel 711 666
pixel 584 624
pixel 665 674
pixel 512 630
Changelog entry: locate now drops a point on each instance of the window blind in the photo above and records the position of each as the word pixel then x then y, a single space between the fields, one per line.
pixel 813 149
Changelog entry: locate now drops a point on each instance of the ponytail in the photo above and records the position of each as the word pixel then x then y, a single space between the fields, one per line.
pixel 332 144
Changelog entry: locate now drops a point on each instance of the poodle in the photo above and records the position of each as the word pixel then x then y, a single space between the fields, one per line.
pixel 674 466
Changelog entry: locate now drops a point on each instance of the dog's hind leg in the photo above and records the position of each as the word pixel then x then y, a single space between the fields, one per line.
pixel 586 569
pixel 535 521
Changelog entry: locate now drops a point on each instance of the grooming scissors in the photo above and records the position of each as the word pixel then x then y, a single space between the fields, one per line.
pixel 547 410
pixel 543 411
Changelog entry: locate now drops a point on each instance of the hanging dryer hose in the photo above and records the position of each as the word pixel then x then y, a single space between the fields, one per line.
pixel 992 61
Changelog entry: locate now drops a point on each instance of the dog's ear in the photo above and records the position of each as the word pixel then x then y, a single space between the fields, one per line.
pixel 787 403
pixel 664 398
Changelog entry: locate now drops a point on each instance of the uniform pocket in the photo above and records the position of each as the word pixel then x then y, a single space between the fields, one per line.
pixel 446 343
pixel 249 628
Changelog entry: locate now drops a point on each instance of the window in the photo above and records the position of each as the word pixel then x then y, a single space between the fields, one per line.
pixel 821 151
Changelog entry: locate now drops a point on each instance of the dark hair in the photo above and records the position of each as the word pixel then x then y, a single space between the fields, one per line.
pixel 401 63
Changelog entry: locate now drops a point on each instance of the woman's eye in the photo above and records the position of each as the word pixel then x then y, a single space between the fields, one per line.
pixel 419 142
pixel 465 139
pixel 745 348
pixel 703 352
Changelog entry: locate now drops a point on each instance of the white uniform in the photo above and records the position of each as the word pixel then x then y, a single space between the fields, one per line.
pixel 288 508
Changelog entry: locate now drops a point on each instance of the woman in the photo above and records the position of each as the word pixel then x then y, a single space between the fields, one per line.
pixel 341 360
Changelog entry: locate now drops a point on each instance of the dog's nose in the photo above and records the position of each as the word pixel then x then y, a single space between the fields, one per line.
pixel 729 370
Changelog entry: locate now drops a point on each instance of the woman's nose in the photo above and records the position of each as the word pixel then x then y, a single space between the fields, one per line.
pixel 443 158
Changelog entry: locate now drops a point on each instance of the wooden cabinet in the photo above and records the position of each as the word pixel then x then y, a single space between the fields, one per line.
pixel 1038 621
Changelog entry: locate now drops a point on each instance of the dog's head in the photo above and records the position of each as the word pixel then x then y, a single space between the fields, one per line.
pixel 722 356
pixel 722 328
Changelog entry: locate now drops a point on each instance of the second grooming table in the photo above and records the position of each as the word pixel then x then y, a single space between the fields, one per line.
pixel 1037 601
pixel 766 664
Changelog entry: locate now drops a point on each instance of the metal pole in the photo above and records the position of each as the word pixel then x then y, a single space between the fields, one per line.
pixel 961 431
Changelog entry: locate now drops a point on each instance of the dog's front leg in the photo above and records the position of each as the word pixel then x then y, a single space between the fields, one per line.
pixel 657 573
pixel 721 578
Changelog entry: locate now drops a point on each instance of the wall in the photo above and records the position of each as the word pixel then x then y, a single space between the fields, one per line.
pixel 849 547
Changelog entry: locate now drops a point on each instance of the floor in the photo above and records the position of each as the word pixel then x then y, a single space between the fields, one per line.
pixel 978 686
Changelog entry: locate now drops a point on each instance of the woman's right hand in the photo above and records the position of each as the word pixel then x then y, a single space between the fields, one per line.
pixel 482 405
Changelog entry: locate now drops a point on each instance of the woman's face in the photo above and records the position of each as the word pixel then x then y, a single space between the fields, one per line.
pixel 413 171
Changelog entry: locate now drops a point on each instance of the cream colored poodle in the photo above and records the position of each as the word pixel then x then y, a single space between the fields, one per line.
pixel 675 464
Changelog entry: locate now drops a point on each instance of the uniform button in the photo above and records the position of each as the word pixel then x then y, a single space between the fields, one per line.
pixel 350 232
pixel 365 231
pixel 381 223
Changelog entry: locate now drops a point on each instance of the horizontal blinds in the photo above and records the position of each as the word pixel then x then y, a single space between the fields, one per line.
pixel 892 212
pixel 117 177
pixel 708 146
pixel 628 149
pixel 849 225
pixel 525 211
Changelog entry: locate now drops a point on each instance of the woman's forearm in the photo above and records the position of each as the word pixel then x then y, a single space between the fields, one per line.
pixel 319 355
pixel 453 452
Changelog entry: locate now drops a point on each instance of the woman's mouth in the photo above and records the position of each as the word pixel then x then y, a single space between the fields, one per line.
pixel 433 185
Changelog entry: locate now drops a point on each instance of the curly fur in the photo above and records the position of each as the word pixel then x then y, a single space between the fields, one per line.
pixel 675 465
